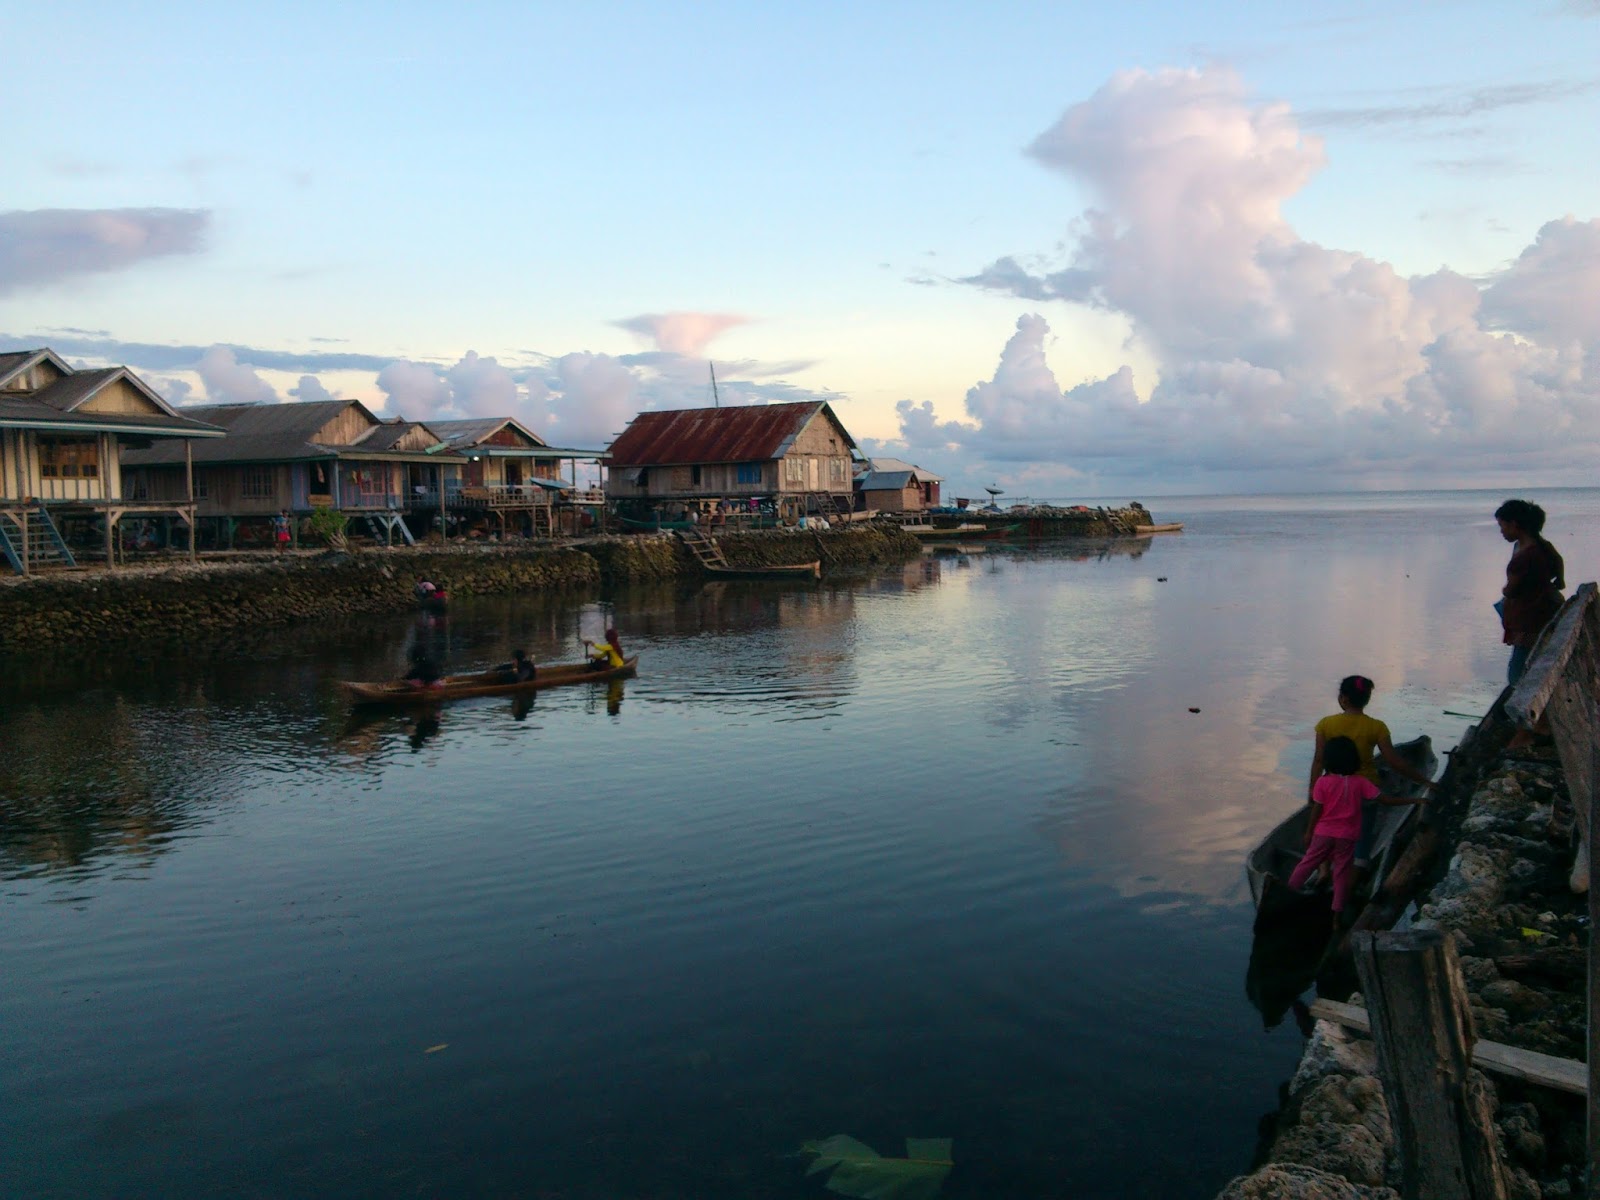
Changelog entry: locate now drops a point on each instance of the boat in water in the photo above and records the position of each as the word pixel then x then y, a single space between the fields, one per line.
pixel 807 570
pixel 403 693
pixel 1270 864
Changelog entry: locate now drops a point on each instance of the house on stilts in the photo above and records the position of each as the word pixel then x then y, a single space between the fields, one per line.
pixel 63 495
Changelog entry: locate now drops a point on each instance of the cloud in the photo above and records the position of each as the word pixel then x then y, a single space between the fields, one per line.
pixel 687 333
pixel 228 381
pixel 1276 356
pixel 310 388
pixel 40 247
pixel 154 356
pixel 1445 105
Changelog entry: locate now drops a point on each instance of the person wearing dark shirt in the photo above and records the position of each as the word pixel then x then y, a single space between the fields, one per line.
pixel 519 670
pixel 1534 579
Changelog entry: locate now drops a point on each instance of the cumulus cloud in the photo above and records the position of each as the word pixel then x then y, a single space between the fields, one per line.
pixel 228 381
pixel 40 247
pixel 687 333
pixel 310 388
pixel 1275 355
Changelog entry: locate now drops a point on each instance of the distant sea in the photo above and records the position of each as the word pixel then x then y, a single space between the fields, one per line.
pixel 943 850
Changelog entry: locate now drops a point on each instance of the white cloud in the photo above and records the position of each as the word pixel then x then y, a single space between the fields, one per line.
pixel 686 333
pixel 44 246
pixel 1276 356
pixel 228 381
pixel 310 388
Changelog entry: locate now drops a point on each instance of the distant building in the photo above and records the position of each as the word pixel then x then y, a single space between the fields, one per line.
pixel 62 434
pixel 889 485
pixel 318 454
pixel 789 459
pixel 511 475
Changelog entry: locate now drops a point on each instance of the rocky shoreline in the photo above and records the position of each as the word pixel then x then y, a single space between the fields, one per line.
pixel 1522 936
pixel 183 600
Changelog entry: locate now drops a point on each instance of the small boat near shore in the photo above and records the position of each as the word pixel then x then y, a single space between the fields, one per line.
pixel 1169 527
pixel 401 693
pixel 808 570
pixel 1270 864
pixel 965 532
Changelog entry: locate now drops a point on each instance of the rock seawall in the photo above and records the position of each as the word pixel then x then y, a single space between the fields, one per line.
pixel 189 600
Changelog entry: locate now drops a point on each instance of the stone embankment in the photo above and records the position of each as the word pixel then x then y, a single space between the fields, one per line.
pixel 1522 937
pixel 190 600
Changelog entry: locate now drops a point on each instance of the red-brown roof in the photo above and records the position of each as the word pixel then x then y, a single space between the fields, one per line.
pixel 747 433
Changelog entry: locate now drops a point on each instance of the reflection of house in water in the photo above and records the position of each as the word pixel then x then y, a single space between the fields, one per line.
pixel 61 810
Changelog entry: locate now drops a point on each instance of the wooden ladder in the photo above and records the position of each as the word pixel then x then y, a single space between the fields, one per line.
pixel 705 548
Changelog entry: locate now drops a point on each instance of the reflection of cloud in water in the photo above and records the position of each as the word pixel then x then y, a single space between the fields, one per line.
pixel 1256 633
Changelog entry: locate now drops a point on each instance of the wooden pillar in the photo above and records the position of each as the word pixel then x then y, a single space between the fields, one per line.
pixel 1423 1029
pixel 111 537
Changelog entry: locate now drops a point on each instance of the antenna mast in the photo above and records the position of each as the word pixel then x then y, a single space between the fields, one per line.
pixel 716 401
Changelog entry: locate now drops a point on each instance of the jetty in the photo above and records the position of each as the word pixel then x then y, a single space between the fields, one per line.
pixel 1464 1062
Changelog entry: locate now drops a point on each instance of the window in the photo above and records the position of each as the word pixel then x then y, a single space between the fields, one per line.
pixel 748 473
pixel 694 476
pixel 255 483
pixel 680 478
pixel 69 458
pixel 794 472
pixel 836 471
pixel 202 485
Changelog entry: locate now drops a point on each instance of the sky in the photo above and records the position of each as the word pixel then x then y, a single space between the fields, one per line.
pixel 1076 251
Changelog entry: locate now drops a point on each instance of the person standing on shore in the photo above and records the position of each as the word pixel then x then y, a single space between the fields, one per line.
pixel 280 530
pixel 1535 577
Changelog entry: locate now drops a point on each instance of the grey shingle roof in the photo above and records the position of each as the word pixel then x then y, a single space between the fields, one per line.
pixel 463 434
pixel 256 433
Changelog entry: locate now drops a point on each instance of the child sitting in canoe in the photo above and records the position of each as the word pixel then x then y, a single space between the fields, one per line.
pixel 1335 825
pixel 425 672
pixel 606 655
pixel 519 670
pixel 1371 738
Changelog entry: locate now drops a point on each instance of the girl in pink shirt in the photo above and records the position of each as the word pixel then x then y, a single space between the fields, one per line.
pixel 1337 796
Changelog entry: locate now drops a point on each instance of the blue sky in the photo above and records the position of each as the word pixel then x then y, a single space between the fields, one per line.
pixel 1083 251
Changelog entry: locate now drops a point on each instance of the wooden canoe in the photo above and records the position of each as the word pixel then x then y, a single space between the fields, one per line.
pixel 1275 858
pixel 398 692
pixel 1170 527
pixel 810 570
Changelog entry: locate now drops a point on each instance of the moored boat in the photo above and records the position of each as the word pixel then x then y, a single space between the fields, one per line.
pixel 809 570
pixel 1279 852
pixel 1169 527
pixel 399 692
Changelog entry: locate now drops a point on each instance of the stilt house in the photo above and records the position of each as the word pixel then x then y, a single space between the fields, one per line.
pixel 318 454
pixel 790 459
pixel 62 434
pixel 889 485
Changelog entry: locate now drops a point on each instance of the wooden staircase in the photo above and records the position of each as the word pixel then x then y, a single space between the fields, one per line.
pixel 832 507
pixel 34 529
pixel 704 547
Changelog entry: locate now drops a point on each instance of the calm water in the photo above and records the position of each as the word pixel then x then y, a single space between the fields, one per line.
pixel 941 852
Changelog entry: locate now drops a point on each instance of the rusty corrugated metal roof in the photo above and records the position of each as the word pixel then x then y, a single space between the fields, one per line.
pixel 748 433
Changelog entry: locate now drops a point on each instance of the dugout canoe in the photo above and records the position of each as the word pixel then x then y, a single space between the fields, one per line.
pixel 397 692
pixel 810 570
pixel 1276 857
pixel 1169 527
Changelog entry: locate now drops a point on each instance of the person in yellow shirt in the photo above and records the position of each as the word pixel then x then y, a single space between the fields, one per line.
pixel 1371 737
pixel 606 655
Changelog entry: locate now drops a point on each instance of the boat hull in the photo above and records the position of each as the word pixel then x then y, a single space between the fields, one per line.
pixel 1271 862
pixel 400 694
pixel 810 570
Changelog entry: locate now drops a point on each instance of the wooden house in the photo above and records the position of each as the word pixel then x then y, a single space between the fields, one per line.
pixel 792 459
pixel 318 454
pixel 62 434
pixel 889 485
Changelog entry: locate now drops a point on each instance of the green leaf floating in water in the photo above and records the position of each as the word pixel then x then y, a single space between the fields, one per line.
pixel 860 1171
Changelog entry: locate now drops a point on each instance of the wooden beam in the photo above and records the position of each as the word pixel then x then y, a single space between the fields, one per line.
pixel 1444 1131
pixel 1512 1062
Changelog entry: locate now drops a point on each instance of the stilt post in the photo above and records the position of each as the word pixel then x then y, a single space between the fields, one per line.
pixel 1422 1025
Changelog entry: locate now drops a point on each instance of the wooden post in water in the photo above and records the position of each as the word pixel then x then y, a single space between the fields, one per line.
pixel 1423 1029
